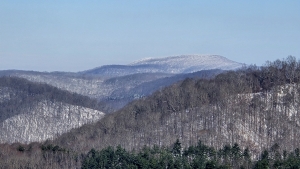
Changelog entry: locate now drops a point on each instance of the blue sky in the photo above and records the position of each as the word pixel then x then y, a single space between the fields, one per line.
pixel 79 35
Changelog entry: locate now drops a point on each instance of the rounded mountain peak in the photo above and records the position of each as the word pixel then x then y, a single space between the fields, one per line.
pixel 190 63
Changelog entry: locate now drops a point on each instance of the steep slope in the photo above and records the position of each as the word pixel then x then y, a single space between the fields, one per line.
pixel 36 112
pixel 255 107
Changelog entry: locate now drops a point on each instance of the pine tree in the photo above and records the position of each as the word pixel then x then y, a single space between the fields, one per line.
pixel 176 150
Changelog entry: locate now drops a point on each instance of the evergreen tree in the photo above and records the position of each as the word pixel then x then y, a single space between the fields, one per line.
pixel 176 150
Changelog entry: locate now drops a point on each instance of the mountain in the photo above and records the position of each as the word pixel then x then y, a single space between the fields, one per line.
pixel 117 85
pixel 190 63
pixel 254 107
pixel 170 65
pixel 27 103
pixel 32 112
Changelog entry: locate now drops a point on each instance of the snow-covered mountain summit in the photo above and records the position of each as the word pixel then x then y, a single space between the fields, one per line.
pixel 168 65
pixel 190 63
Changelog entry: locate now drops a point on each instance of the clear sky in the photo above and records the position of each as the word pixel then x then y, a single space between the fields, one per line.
pixel 73 35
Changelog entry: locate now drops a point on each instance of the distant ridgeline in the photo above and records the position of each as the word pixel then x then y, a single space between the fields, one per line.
pixel 117 85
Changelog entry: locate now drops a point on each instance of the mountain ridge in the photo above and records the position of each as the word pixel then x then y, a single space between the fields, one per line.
pixel 109 81
pixel 171 65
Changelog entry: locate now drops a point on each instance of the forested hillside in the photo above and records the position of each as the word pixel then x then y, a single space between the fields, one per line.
pixel 255 107
pixel 18 90
pixel 36 112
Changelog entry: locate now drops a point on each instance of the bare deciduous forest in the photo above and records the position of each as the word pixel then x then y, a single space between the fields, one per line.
pixel 254 108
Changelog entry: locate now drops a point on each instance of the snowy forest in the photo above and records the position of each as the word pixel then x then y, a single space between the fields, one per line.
pixel 248 118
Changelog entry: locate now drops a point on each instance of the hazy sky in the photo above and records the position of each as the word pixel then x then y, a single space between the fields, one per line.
pixel 71 35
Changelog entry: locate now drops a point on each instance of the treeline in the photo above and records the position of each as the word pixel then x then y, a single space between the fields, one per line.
pixel 199 156
pixel 23 94
pixel 255 107
pixel 175 156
